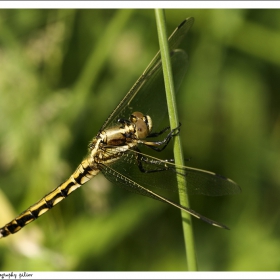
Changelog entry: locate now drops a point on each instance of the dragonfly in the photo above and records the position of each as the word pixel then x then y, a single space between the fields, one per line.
pixel 133 125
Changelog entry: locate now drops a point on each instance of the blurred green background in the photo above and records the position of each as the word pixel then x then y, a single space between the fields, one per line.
pixel 63 72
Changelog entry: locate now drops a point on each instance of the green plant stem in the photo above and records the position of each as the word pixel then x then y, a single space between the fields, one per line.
pixel 173 117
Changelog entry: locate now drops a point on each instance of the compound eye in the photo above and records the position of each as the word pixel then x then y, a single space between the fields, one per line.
pixel 142 130
pixel 141 123
pixel 135 116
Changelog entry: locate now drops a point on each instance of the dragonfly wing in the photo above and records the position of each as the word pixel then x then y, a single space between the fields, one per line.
pixel 124 180
pixel 148 93
pixel 199 181
pixel 161 175
pixel 209 183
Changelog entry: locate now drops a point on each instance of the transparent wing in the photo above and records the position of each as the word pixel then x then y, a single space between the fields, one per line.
pixel 122 181
pixel 161 175
pixel 148 93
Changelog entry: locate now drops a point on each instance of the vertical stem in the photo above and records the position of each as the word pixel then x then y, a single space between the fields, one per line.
pixel 173 117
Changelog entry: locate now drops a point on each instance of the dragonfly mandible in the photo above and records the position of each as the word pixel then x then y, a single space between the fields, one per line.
pixel 115 150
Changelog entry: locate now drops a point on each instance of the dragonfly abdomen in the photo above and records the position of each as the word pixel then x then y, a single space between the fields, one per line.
pixel 83 173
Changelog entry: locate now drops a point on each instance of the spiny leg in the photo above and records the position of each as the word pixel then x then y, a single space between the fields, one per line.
pixel 155 145
pixel 156 134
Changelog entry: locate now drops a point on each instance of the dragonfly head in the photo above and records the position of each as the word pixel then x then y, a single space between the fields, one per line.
pixel 143 124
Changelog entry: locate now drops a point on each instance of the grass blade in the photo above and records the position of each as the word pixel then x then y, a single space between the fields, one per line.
pixel 173 116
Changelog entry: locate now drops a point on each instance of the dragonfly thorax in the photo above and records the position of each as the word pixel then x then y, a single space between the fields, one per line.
pixel 128 132
pixel 111 143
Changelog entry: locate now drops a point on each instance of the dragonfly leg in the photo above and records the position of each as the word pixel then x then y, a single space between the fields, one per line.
pixel 155 145
pixel 156 134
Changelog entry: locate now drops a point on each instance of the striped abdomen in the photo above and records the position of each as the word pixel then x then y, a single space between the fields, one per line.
pixel 83 173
